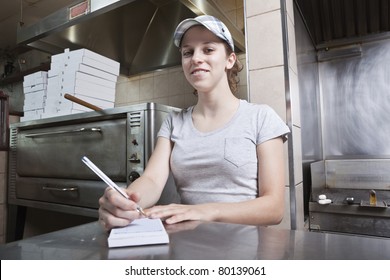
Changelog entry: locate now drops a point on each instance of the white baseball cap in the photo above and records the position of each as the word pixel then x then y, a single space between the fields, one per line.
pixel 211 23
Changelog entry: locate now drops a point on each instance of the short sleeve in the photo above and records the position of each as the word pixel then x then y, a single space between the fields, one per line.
pixel 270 125
pixel 166 128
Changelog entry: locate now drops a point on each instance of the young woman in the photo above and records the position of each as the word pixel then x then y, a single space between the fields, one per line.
pixel 225 154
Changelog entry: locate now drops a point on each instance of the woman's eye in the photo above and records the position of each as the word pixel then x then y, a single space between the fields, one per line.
pixel 186 53
pixel 209 50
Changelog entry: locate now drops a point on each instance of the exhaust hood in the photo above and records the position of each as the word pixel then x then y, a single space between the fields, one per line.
pixel 136 33
pixel 338 23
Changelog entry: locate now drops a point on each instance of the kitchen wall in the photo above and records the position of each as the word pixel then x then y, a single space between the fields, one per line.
pixel 309 93
pixel 355 100
pixel 345 99
pixel 273 80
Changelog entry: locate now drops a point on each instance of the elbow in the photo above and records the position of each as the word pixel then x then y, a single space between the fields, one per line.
pixel 277 216
pixel 277 220
pixel 278 211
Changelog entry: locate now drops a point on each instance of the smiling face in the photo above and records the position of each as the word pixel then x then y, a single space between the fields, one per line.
pixel 205 59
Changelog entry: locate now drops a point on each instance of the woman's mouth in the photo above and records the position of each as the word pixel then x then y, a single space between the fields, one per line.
pixel 197 71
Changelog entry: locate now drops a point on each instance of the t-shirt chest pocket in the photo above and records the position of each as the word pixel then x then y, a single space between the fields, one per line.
pixel 240 151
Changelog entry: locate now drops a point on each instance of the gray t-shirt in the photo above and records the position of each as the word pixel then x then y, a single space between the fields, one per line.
pixel 220 166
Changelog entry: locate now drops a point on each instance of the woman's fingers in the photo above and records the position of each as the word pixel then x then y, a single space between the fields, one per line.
pixel 115 210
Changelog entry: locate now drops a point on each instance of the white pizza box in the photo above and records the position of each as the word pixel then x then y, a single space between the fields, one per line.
pixel 60 58
pixel 69 78
pixel 35 100
pixel 72 59
pixel 52 101
pixel 33 106
pixel 81 83
pixel 96 94
pixel 39 77
pixel 50 112
pixel 81 67
pixel 55 70
pixel 63 110
pixel 62 69
pixel 62 113
pixel 51 109
pixel 35 75
pixel 54 106
pixel 53 86
pixel 34 87
pixel 93 59
pixel 67 104
pixel 40 95
pixel 104 104
pixel 94 91
pixel 41 80
pixel 91 90
pixel 57 64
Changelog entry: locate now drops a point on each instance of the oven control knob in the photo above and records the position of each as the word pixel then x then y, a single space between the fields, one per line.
pixel 134 175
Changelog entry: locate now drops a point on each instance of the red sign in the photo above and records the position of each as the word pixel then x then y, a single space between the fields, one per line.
pixel 79 9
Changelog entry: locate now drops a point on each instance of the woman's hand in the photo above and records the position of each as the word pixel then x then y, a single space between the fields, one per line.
pixel 175 213
pixel 183 226
pixel 117 211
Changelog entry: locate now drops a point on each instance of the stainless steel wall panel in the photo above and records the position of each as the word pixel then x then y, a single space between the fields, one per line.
pixel 356 102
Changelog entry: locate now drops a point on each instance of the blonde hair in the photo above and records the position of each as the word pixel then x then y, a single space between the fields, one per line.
pixel 232 74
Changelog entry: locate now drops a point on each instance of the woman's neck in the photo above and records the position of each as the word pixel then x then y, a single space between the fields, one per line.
pixel 216 102
pixel 211 112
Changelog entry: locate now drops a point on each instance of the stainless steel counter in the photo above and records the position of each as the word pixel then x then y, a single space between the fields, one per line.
pixel 201 241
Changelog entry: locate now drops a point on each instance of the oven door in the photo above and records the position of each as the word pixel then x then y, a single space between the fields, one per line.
pixel 48 166
pixel 56 152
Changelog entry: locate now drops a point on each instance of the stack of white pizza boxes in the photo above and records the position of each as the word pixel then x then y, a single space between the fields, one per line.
pixel 35 94
pixel 84 74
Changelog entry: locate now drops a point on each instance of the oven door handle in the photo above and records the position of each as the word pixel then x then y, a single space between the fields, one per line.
pixel 62 189
pixel 83 129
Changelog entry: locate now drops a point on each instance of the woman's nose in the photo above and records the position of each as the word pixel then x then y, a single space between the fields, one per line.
pixel 197 56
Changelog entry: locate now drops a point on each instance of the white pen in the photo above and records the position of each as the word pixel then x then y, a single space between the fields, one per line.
pixel 109 182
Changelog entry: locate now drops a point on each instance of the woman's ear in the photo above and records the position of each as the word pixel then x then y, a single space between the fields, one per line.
pixel 231 60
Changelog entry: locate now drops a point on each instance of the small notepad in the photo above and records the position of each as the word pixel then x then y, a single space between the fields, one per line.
pixel 139 232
